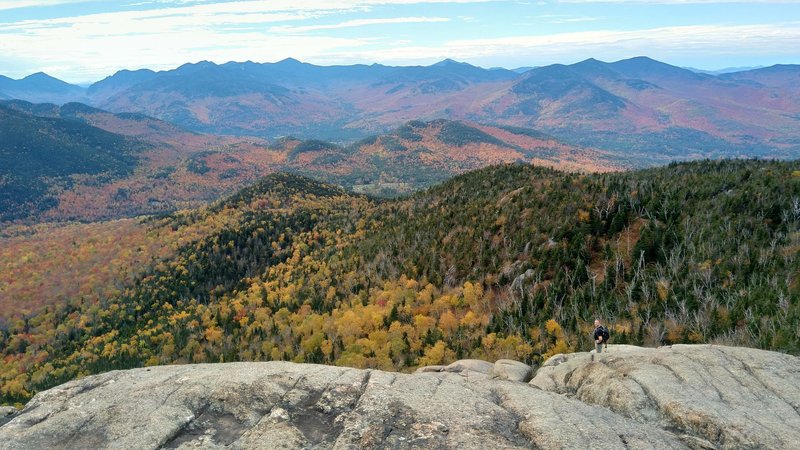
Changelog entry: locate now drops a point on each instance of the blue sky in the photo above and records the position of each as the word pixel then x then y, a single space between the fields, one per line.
pixel 86 40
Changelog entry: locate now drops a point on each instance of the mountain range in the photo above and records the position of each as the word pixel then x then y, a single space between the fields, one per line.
pixel 650 111
pixel 76 162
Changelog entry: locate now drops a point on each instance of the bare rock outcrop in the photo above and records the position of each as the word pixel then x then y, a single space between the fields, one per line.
pixel 508 369
pixel 427 369
pixel 719 397
pixel 470 366
pixel 286 405
pixel 701 397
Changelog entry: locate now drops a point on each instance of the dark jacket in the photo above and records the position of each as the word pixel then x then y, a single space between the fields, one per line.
pixel 598 333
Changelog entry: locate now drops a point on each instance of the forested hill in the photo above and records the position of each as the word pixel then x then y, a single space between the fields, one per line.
pixel 509 261
pixel 42 156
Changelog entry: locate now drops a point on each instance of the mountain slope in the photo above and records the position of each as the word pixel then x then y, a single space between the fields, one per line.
pixel 133 125
pixel 653 111
pixel 39 155
pixel 288 97
pixel 238 99
pixel 183 169
pixel 40 87
pixel 118 82
pixel 168 171
pixel 779 75
pixel 511 261
pixel 419 154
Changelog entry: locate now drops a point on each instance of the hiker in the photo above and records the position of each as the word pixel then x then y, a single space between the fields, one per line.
pixel 600 336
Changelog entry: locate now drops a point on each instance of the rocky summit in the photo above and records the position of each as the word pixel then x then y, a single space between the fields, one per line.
pixel 726 397
pixel 630 397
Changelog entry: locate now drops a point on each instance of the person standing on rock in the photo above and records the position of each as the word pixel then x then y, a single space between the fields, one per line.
pixel 600 336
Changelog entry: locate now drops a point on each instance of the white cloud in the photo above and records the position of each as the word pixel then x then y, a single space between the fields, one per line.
pixel 216 12
pixel 172 32
pixel 169 33
pixel 357 23
pixel 244 6
pixel 15 4
pixel 72 59
pixel 665 42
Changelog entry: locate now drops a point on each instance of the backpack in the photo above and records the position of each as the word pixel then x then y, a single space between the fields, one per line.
pixel 604 333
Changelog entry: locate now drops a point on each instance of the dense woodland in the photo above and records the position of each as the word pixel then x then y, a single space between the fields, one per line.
pixel 510 261
pixel 39 155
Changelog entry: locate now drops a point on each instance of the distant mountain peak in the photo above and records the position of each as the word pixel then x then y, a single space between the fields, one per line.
pixel 590 63
pixel 45 82
pixel 40 76
pixel 643 65
pixel 136 71
pixel 451 62
pixel 198 65
pixel 643 60
pixel 121 80
pixel 290 61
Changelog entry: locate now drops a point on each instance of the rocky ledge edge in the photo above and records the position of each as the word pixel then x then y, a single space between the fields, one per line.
pixel 683 396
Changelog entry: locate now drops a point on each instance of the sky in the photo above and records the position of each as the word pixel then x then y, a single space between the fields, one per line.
pixel 81 41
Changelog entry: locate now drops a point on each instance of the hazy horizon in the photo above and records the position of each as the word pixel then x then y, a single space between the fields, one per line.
pixel 81 41
pixel 86 83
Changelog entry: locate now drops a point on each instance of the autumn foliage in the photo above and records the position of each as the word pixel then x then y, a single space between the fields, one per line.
pixel 512 261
